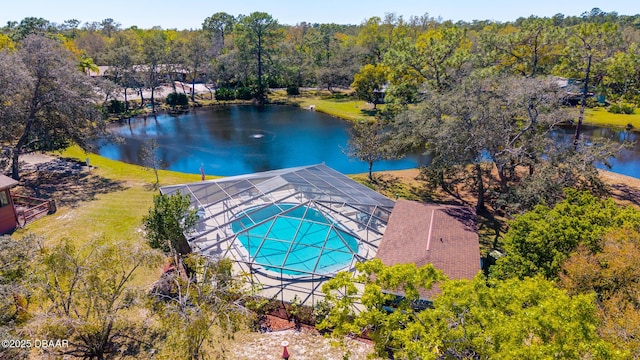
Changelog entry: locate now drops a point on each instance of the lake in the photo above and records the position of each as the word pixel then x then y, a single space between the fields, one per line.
pixel 245 139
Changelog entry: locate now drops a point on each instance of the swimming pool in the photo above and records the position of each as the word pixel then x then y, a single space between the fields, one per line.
pixel 294 240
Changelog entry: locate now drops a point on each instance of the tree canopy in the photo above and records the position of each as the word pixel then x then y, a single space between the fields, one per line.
pixel 509 319
pixel 48 104
pixel 539 241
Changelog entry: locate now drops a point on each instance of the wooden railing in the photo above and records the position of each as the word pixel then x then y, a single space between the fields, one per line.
pixel 30 208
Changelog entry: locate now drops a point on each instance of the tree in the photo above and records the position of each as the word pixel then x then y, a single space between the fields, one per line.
pixel 452 126
pixel 150 158
pixel 512 319
pixel 194 57
pixel 340 68
pixel 375 37
pixel 15 274
pixel 200 312
pixel 381 283
pixel 435 59
pixel 588 44
pixel 504 122
pixel 256 38
pixel 109 27
pixel 87 297
pixel 31 26
pixel 622 79
pixel 369 83
pixel 528 50
pixel 613 275
pixel 153 56
pixel 122 57
pixel 53 104
pixel 369 143
pixel 167 222
pixel 216 27
pixel 539 241
pixel 470 319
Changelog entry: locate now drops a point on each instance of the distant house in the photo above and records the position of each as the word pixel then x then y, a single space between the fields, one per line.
pixel 168 71
pixel 443 235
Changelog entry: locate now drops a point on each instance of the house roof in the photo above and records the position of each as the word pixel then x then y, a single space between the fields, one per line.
pixel 443 235
pixel 7 182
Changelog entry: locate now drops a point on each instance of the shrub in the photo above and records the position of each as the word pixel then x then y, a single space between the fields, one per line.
pixel 244 93
pixel 115 107
pixel 177 99
pixel 622 108
pixel 293 90
pixel 225 93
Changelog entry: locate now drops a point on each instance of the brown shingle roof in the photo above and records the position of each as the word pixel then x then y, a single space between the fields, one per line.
pixel 443 235
pixel 7 182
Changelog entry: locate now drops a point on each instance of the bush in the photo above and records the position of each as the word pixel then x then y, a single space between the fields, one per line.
pixel 115 107
pixel 622 108
pixel 293 90
pixel 244 93
pixel 176 99
pixel 225 93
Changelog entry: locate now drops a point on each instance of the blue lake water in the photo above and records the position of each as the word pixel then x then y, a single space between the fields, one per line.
pixel 245 139
pixel 627 162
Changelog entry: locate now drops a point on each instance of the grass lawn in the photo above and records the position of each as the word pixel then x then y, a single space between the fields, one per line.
pixel 338 104
pixel 601 117
pixel 114 211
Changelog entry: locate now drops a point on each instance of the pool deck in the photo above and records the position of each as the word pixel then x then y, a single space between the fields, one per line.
pixel 219 240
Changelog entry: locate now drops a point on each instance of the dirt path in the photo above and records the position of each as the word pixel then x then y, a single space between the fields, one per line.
pixel 303 345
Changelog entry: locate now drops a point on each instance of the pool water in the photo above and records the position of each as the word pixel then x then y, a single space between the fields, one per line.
pixel 294 240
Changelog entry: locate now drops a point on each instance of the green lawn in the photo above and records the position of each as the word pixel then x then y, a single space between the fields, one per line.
pixel 338 104
pixel 116 212
pixel 601 117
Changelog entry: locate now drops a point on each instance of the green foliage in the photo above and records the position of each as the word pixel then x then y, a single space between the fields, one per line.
pixel 381 283
pixel 244 93
pixel 225 93
pixel 512 319
pixel 177 99
pixel 293 90
pixel 256 36
pixel 471 131
pixel 168 220
pixel 200 312
pixel 86 296
pixel 150 158
pixel 15 273
pixel 622 108
pixel 49 105
pixel 116 107
pixel 539 241
pixel 613 275
pixel 369 142
pixel 368 83
pixel 531 48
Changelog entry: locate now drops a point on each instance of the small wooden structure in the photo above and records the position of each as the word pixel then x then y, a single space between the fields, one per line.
pixel 8 214
pixel 17 211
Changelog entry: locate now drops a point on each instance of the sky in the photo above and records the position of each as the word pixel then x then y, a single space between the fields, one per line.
pixel 189 14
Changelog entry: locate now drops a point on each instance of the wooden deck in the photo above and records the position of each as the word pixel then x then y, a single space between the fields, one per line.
pixel 30 209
